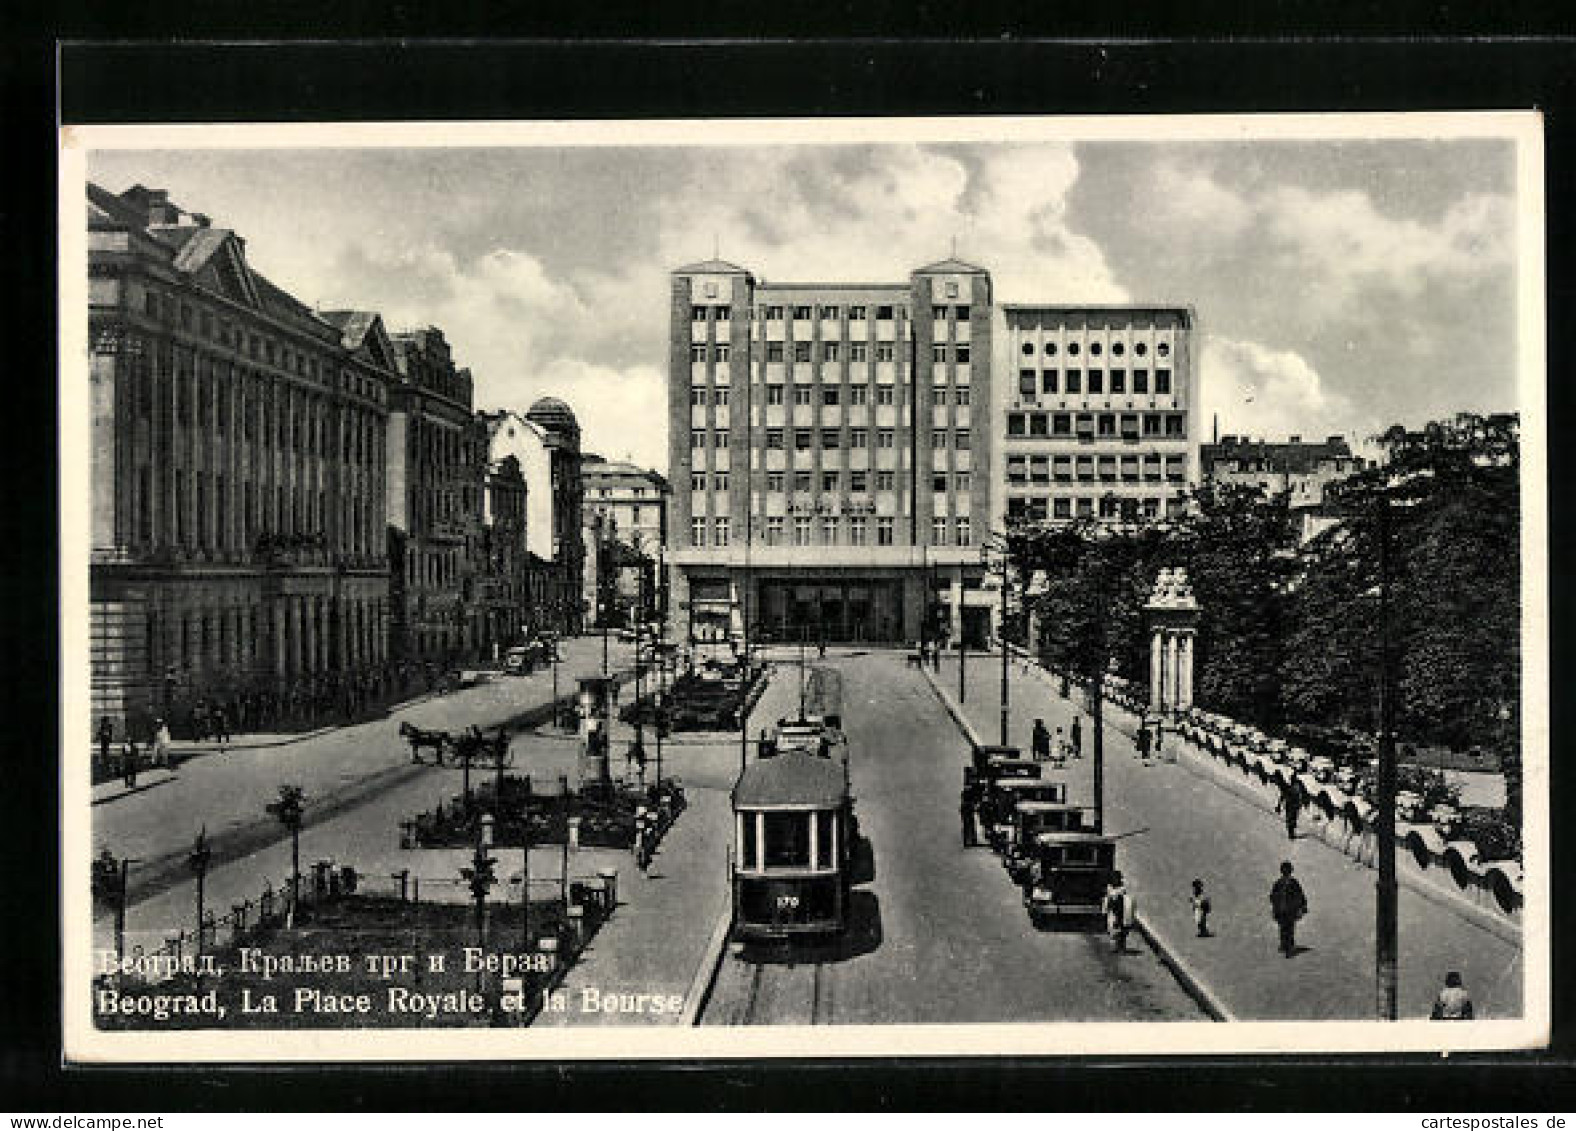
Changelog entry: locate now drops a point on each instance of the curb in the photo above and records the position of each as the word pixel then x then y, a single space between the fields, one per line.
pixel 142 787
pixel 705 980
pixel 1191 983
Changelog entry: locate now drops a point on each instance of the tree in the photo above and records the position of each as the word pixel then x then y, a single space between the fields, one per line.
pixel 288 810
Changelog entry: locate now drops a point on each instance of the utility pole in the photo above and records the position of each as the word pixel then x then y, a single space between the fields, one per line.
pixel 1386 942
pixel 1005 709
pixel 963 645
pixel 1097 700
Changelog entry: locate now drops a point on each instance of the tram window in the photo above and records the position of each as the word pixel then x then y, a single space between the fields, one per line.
pixel 748 852
pixel 823 834
pixel 787 840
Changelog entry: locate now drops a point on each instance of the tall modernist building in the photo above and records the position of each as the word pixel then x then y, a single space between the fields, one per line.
pixel 237 474
pixel 830 454
pixel 1102 416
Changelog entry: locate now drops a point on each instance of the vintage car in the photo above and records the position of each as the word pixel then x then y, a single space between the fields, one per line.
pixel 1029 820
pixel 1068 875
pixel 1322 768
pixel 1002 797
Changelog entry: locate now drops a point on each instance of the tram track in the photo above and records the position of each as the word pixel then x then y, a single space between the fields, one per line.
pixel 771 993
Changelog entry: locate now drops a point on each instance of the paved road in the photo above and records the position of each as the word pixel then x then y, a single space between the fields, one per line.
pixel 1177 822
pixel 939 934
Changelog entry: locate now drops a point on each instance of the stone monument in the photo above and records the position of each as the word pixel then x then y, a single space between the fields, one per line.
pixel 1173 625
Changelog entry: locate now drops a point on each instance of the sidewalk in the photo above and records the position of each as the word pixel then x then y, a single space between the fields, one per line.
pixel 660 936
pixel 1174 825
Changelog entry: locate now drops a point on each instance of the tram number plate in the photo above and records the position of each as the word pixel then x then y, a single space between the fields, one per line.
pixel 787 903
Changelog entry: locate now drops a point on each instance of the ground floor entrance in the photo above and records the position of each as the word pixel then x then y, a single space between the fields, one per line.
pixel 845 610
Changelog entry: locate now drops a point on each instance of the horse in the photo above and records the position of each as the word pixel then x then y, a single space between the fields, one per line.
pixel 438 740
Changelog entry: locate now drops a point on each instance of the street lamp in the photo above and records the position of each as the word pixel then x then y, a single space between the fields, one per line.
pixel 985 548
pixel 480 875
pixel 109 886
pixel 199 859
pixel 287 810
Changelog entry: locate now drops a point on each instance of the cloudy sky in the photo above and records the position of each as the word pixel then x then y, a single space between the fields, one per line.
pixel 1340 286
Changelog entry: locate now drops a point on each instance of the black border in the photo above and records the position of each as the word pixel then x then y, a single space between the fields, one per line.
pixel 379 79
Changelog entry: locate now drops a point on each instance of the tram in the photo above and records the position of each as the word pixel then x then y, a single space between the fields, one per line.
pixel 794 837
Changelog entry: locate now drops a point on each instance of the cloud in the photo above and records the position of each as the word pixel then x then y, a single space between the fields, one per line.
pixel 1191 205
pixel 1260 391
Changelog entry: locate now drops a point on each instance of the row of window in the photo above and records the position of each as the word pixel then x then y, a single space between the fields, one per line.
pixel 1032 383
pixel 831 438
pixel 804 352
pixel 831 395
pixel 1065 469
pixel 1089 425
pixel 831 481
pixel 1095 349
pixel 827 313
pixel 834 531
pixel 1040 509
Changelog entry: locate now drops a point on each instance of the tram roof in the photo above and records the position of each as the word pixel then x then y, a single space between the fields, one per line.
pixel 791 780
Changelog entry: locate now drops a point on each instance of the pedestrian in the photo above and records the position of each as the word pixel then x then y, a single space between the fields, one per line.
pixel 1119 906
pixel 1059 744
pixel 1160 731
pixel 966 806
pixel 1452 1004
pixel 1288 903
pixel 1201 909
pixel 106 738
pixel 129 760
pixel 1290 805
pixel 1077 737
pixel 1041 741
pixel 1143 743
pixel 820 649
pixel 221 725
pixel 161 743
pixel 642 838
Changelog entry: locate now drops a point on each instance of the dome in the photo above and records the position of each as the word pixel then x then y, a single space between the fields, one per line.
pixel 555 416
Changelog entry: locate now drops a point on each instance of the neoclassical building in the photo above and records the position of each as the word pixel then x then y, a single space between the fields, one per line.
pixel 237 509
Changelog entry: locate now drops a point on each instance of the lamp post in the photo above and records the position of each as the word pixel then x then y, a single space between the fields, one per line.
pixel 963 644
pixel 109 886
pixel 1006 709
pixel 198 861
pixel 480 877
pixel 287 810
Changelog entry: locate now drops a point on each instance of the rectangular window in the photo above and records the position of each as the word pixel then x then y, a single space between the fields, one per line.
pixel 938 353
pixel 960 481
pixel 720 532
pixel 1062 507
pixel 829 312
pixel 938 531
pixel 1107 424
pixel 1141 381
pixel 774 531
pixel 697 353
pixel 697 314
pixel 774 438
pixel 938 484
pixel 774 482
pixel 1074 381
pixel 802 313
pixel 1152 424
pixel 697 531
pixel 801 530
pixel 831 395
pixel 960 440
pixel 829 351
pixel 858 394
pixel 774 314
pixel 1174 424
pixel 965 535
pixel 830 438
pixel 698 482
pixel 774 351
pixel 961 313
pixel 697 396
pixel 724 313
pixel 1017 469
pixel 1096 381
pixel 698 438
pixel 883 532
pixel 856 314
pixel 802 394
pixel 858 482
pixel 858 438
pixel 829 482
pixel 857 351
pixel 1061 424
pixel 938 440
pixel 856 532
pixel 1037 423
pixel 801 351
pixel 719 481
pixel 803 441
pixel 801 482
pixel 961 354
pixel 960 396
pixel 829 532
pixel 883 351
pixel 722 353
pixel 938 393
pixel 885 480
pixel 884 313
pixel 885 394
pixel 774 394
pixel 884 437
pixel 1119 380
pixel 1162 382
pixel 1016 424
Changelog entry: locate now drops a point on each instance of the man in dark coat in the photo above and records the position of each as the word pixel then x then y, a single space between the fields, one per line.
pixel 966 806
pixel 1041 741
pixel 1288 904
pixel 1077 737
pixel 1290 804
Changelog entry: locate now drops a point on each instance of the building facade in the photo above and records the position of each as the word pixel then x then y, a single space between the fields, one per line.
pixel 237 477
pixel 626 529
pixel 437 469
pixel 830 450
pixel 1101 416
pixel 501 581
pixel 1299 470
pixel 545 443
